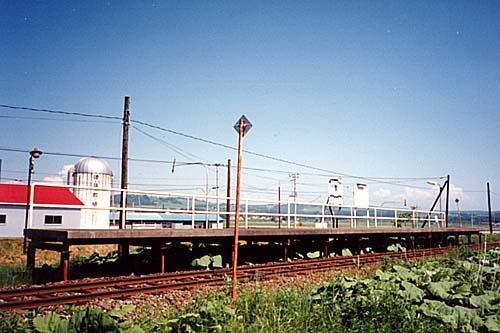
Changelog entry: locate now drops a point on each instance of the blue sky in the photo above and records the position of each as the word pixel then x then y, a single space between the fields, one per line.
pixel 372 88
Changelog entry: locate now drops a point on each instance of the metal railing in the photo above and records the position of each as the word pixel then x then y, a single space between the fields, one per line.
pixel 206 211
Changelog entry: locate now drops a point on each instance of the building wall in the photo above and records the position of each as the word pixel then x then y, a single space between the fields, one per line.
pixel 94 197
pixel 14 225
pixel 15 221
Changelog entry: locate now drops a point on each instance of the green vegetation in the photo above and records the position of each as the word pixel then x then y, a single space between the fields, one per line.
pixel 87 320
pixel 208 262
pixel 460 293
pixel 14 275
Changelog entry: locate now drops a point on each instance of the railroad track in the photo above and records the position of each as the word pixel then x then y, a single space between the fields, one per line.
pixel 81 292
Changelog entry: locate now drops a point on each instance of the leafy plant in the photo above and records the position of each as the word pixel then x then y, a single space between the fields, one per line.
pixel 313 255
pixel 208 262
pixel 396 248
pixel 86 320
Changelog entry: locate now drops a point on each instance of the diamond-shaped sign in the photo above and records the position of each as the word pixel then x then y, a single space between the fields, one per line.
pixel 246 125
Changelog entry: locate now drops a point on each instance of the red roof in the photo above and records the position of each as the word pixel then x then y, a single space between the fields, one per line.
pixel 45 195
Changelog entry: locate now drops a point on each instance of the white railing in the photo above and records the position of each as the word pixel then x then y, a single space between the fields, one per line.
pixel 193 211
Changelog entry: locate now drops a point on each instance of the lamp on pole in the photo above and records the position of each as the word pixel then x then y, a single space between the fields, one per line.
pixel 34 154
pixel 430 182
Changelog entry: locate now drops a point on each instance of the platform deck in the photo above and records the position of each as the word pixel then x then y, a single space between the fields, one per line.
pixel 96 236
pixel 61 240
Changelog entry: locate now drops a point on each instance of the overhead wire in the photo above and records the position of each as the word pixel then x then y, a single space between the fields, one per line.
pixel 59 119
pixel 68 113
pixel 277 159
pixel 377 179
pixel 168 162
pixel 171 146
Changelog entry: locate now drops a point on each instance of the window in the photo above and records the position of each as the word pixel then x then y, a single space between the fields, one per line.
pixel 96 177
pixel 53 219
pixel 3 219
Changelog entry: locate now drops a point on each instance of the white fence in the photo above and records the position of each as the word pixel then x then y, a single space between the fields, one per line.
pixel 164 209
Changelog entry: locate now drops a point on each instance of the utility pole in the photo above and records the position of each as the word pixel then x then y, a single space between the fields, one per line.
pixel 217 165
pixel 490 220
pixel 447 199
pixel 123 249
pixel 228 195
pixel 0 170
pixel 293 178
pixel 124 170
pixel 279 206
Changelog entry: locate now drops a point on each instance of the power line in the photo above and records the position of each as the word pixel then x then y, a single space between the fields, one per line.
pixel 58 119
pixel 171 146
pixel 67 113
pixel 81 114
pixel 277 159
pixel 17 150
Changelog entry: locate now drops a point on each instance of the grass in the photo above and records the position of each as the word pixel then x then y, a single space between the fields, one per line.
pixel 288 311
pixel 452 294
pixel 13 275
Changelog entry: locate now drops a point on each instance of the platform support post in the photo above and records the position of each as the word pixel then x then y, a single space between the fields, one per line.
pixel 64 264
pixel 286 254
pixel 326 248
pixel 288 215
pixel 159 257
pixel 123 250
pixel 30 259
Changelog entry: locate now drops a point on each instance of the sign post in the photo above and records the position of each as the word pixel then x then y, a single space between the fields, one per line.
pixel 242 127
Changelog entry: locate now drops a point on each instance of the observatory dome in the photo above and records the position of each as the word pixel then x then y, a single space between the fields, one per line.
pixel 93 165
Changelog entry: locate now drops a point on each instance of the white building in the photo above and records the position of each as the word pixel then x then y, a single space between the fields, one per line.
pixel 58 208
pixel 92 178
pixel 361 199
pixel 84 206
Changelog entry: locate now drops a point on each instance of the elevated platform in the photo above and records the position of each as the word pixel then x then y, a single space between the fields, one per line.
pixel 60 240
pixel 145 236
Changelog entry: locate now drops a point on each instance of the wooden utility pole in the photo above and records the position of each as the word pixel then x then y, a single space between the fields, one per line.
pixel 123 249
pixel 447 199
pixel 124 170
pixel 490 220
pixel 228 195
pixel 242 127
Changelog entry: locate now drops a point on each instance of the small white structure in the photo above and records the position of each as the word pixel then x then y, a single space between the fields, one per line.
pixel 54 207
pixel 335 192
pixel 361 195
pixel 92 178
